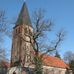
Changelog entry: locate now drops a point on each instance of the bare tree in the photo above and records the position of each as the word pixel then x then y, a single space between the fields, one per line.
pixel 3 31
pixel 68 56
pixel 55 44
pixel 40 27
pixel 69 59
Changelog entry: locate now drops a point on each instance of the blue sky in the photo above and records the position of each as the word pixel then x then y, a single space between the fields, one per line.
pixel 61 12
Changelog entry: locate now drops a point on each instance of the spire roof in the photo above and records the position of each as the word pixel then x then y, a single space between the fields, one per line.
pixel 24 17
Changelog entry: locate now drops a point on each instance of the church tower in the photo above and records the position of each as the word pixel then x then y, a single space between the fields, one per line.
pixel 21 48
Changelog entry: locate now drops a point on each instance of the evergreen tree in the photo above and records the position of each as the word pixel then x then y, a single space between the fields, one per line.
pixel 72 65
pixel 38 65
pixel 57 55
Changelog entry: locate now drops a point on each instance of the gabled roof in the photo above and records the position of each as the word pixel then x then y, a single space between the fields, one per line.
pixel 54 62
pixel 24 17
pixel 51 61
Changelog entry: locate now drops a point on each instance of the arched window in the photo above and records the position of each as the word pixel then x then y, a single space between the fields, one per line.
pixel 20 29
pixel 14 72
pixel 25 30
pixel 16 31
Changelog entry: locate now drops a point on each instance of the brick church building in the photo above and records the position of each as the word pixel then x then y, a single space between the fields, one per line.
pixel 22 51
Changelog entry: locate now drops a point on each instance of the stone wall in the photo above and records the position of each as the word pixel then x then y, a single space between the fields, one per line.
pixel 54 70
pixel 3 70
pixel 46 70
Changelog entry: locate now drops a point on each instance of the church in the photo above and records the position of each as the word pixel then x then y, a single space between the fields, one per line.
pixel 22 51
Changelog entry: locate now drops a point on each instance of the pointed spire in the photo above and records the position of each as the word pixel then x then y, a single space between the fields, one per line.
pixel 24 17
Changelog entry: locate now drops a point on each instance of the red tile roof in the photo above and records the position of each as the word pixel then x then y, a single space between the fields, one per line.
pixel 54 62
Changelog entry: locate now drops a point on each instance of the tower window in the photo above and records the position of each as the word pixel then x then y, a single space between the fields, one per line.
pixel 25 30
pixel 20 29
pixel 16 30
